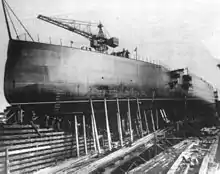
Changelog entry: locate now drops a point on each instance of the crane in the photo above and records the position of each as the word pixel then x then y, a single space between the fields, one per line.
pixel 100 42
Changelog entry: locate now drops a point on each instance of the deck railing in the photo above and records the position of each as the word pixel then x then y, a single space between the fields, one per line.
pixel 78 45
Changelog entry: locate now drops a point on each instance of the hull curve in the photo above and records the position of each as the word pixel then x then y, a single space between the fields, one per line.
pixel 37 72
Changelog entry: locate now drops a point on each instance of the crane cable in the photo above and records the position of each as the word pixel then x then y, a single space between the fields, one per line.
pixel 12 22
pixel 19 20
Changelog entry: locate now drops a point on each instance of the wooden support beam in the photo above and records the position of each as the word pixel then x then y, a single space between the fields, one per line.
pixel 137 125
pixel 35 128
pixel 107 126
pixel 46 121
pixel 6 161
pixel 53 123
pixel 93 134
pixel 129 120
pixel 119 123
pixel 151 111
pixel 123 124
pixel 152 119
pixel 157 120
pixel 119 129
pixel 76 137
pixel 174 168
pixel 161 113
pixel 146 122
pixel 162 160
pixel 185 107
pixel 95 128
pixel 208 160
pixel 155 144
pixel 64 167
pixel 20 115
pixel 165 115
pixel 96 135
pixel 117 155
pixel 84 134
pixel 177 126
pixel 139 117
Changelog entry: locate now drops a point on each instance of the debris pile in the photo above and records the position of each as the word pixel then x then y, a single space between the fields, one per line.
pixel 209 130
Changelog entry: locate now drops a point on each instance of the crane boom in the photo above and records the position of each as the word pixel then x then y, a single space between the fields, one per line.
pixel 97 41
pixel 63 24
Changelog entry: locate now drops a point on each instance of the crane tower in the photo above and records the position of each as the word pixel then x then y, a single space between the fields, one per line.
pixel 100 42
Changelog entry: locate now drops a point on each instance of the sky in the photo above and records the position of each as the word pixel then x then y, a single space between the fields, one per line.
pixel 181 33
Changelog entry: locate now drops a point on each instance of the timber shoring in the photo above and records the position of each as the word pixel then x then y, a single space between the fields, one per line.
pixel 23 151
pixel 117 155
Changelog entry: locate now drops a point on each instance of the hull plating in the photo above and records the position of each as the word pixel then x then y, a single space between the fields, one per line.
pixel 37 72
pixel 41 72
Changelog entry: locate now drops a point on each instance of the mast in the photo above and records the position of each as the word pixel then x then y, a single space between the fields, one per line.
pixel 6 20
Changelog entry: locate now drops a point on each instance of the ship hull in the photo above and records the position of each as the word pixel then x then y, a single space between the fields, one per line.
pixel 38 72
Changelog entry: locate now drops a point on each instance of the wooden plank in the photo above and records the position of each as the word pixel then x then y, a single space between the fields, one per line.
pixel 44 149
pixel 21 151
pixel 37 139
pixel 165 116
pixel 119 123
pixel 84 134
pixel 96 135
pixel 119 129
pixel 120 153
pixel 174 167
pixel 56 155
pixel 13 126
pixel 35 128
pixel 2 165
pixel 34 165
pixel 63 166
pixel 209 158
pixel 6 161
pixel 27 150
pixel 2 160
pixel 38 144
pixel 107 126
pixel 162 159
pixel 152 119
pixel 30 156
pixel 111 168
pixel 162 114
pixel 34 169
pixel 23 131
pixel 95 128
pixel 129 120
pixel 30 140
pixel 93 134
pixel 5 137
pixel 42 152
pixel 2 170
pixel 157 120
pixel 139 117
pixel 42 159
pixel 76 137
pixel 136 125
pixel 146 122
